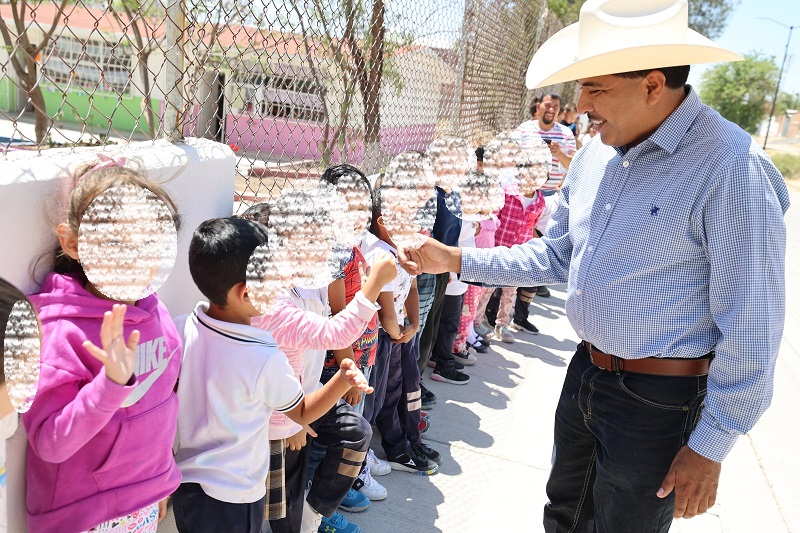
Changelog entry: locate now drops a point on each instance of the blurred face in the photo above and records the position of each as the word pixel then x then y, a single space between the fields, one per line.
pixel 548 110
pixel 359 204
pixel 127 243
pixel 615 106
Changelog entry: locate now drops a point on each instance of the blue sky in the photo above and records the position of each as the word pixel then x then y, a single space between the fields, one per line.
pixel 745 33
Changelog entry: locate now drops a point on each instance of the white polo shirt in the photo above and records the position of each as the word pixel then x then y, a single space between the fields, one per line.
pixel 232 378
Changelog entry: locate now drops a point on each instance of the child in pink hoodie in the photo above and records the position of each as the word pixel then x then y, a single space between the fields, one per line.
pixel 103 422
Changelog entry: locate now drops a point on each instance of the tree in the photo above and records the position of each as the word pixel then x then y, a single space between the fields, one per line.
pixel 741 90
pixel 23 55
pixel 708 17
pixel 145 21
pixel 787 101
pixel 354 38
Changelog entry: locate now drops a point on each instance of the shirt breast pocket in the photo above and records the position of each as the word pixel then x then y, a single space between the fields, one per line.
pixel 135 455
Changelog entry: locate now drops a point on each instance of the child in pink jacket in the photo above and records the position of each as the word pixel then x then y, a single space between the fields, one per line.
pixel 103 422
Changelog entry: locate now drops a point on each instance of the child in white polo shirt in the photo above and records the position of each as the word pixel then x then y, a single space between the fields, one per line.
pixel 233 377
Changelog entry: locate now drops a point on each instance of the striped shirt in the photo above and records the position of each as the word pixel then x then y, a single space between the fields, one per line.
pixel 674 248
pixel 560 134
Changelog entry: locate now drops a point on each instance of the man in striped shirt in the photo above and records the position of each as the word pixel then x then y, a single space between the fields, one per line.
pixel 560 139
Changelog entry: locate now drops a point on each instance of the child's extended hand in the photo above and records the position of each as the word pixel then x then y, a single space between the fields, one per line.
pixel 383 270
pixel 118 357
pixel 353 397
pixel 298 440
pixel 354 376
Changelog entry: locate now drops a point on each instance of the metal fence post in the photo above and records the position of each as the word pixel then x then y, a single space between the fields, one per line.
pixel 174 70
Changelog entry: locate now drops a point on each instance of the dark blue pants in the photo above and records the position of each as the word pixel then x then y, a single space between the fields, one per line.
pixel 615 438
pixel 431 327
pixel 377 379
pixel 450 318
pixel 398 420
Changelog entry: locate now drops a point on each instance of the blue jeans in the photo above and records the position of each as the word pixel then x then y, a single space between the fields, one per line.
pixel 615 438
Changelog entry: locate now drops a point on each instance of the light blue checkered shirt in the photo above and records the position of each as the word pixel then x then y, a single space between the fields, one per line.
pixel 674 248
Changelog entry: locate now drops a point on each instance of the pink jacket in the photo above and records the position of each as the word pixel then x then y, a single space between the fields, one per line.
pixel 95 452
pixel 296 330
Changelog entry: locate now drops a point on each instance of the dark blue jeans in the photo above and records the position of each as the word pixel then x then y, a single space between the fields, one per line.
pixel 615 438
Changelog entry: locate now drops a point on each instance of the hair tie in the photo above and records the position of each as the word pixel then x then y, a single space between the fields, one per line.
pixel 106 161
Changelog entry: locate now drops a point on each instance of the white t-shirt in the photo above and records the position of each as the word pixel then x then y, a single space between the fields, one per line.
pixel 401 285
pixel 313 301
pixel 526 201
pixel 232 378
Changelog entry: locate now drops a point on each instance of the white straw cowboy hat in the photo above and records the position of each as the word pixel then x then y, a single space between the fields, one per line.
pixel 613 36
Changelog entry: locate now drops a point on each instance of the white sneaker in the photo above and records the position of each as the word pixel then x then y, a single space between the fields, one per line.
pixel 370 488
pixel 377 467
pixel 311 519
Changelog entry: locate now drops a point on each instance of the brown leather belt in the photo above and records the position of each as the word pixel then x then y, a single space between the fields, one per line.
pixel 649 365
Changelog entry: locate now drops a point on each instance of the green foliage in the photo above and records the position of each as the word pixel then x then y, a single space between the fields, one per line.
pixel 707 17
pixel 740 91
pixel 787 101
pixel 566 11
pixel 788 164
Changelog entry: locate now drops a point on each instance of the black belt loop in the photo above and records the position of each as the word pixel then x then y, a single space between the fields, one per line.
pixel 615 364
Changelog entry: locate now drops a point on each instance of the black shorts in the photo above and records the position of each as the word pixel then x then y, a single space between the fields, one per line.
pixel 197 512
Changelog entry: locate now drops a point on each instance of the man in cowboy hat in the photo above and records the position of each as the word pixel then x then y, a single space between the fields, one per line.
pixel 670 236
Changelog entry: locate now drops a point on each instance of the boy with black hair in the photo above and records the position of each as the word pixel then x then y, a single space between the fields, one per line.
pixel 232 379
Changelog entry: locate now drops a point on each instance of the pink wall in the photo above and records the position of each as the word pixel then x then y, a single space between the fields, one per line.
pixel 191 125
pixel 300 140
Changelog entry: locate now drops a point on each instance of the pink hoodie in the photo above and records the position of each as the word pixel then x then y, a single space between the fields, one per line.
pixel 94 452
pixel 297 330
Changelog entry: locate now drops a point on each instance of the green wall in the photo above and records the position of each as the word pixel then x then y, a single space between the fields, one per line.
pixel 79 107
pixel 8 94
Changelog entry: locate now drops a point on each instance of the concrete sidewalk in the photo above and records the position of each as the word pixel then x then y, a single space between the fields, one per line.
pixel 495 435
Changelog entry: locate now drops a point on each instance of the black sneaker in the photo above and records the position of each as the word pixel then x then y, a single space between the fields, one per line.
pixel 458 366
pixel 542 292
pixel 428 452
pixel 478 347
pixel 428 398
pixel 455 377
pixel 414 463
pixel 526 326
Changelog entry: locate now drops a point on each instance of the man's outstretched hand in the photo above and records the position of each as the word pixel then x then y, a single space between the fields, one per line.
pixel 432 257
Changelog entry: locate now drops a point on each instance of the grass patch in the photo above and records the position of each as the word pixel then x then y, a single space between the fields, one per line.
pixel 788 164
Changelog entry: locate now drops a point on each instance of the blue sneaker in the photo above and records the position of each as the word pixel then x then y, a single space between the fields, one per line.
pixel 337 524
pixel 354 502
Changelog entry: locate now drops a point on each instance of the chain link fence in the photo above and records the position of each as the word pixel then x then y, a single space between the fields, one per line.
pixel 291 86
